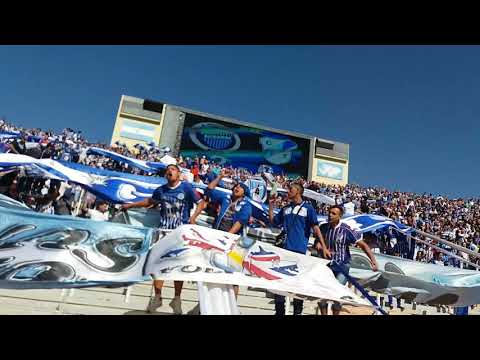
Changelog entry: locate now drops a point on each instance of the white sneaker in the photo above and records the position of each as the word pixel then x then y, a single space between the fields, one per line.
pixel 154 303
pixel 195 310
pixel 176 305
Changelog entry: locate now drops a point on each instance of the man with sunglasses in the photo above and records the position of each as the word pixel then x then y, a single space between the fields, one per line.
pixel 297 219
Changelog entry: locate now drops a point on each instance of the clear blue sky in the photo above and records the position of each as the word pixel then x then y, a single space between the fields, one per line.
pixel 409 113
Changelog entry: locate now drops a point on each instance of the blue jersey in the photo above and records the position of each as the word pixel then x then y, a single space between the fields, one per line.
pixel 297 221
pixel 230 213
pixel 338 239
pixel 175 204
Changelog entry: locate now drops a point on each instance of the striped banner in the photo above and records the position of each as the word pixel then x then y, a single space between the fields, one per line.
pixel 137 131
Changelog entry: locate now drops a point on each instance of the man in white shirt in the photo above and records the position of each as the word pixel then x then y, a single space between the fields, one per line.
pixel 204 168
pixel 100 212
pixel 197 180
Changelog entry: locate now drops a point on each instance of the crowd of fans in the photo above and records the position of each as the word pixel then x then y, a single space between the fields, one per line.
pixel 456 220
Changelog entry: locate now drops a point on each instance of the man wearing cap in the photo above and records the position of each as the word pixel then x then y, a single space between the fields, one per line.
pixel 235 210
pixel 234 213
pixel 176 199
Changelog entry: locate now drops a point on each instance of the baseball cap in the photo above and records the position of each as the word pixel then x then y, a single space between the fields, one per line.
pixel 245 188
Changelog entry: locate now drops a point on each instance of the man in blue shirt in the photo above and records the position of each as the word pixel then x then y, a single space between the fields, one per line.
pixel 235 210
pixel 297 219
pixel 338 237
pixel 175 199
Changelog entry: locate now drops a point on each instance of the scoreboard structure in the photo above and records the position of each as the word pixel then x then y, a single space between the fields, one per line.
pixel 229 141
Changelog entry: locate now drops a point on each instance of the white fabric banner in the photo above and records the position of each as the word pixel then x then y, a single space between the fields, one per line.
pixel 217 299
pixel 195 253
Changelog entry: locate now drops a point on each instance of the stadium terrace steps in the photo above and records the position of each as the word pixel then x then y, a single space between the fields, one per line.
pixel 108 301
pixel 113 301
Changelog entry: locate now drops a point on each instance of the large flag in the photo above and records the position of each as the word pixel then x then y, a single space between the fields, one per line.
pixel 135 163
pixel 416 281
pixel 4 135
pixel 148 166
pixel 406 279
pixel 49 251
pixel 196 253
pixel 110 185
pixel 364 223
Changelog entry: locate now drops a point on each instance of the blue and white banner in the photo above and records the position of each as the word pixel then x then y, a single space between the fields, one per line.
pixel 149 166
pixel 137 130
pixel 420 282
pixel 109 185
pixel 111 173
pixel 50 251
pixel 134 163
pixel 40 251
pixel 364 223
pixel 416 281
pixel 196 253
pixel 9 135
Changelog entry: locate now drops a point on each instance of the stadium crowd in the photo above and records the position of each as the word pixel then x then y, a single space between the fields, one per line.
pixel 456 220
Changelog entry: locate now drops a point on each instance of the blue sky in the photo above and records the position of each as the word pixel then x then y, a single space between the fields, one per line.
pixel 408 112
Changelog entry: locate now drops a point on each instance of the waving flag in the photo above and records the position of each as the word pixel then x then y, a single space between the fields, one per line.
pixel 364 223
pixel 110 185
pixel 9 135
pixel 215 256
pixel 49 251
pixel 149 166
pixel 416 281
pixel 111 173
pixel 135 163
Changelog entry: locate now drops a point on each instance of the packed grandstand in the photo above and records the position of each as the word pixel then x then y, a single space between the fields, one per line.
pixel 456 220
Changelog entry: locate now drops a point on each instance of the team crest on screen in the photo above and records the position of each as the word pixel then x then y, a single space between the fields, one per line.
pixel 212 136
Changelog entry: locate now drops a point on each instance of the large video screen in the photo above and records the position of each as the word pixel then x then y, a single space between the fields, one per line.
pixel 244 147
